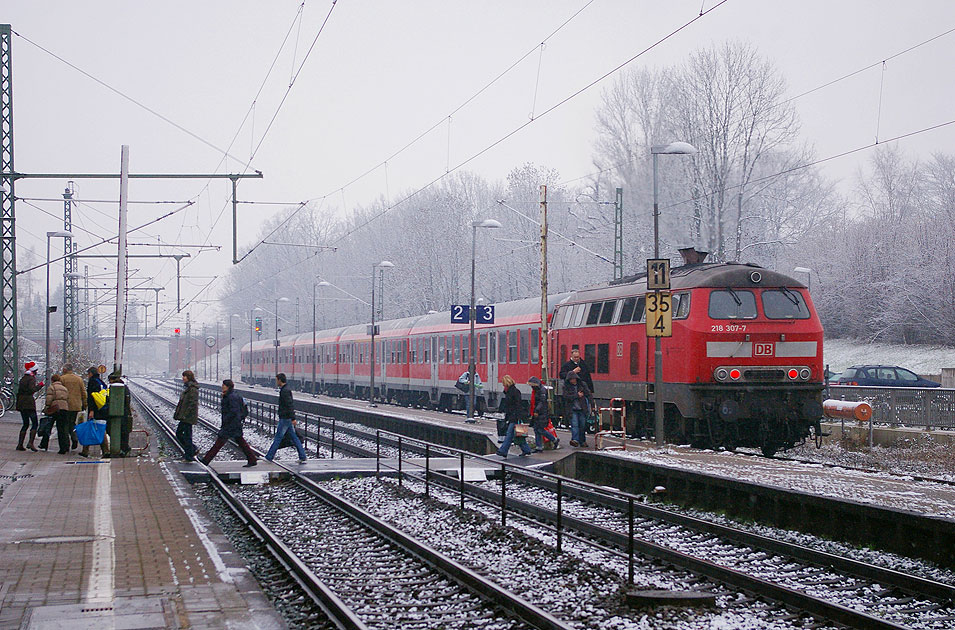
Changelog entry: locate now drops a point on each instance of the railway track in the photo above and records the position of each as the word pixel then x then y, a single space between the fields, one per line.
pixel 835 588
pixel 366 573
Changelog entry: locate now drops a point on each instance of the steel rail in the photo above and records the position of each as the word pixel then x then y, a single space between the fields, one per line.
pixel 732 577
pixel 514 605
pixel 336 610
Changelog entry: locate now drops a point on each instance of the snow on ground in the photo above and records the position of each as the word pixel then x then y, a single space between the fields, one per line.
pixel 929 360
pixel 903 493
pixel 920 456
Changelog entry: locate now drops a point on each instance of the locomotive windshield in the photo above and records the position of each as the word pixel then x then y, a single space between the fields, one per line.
pixel 784 304
pixel 732 304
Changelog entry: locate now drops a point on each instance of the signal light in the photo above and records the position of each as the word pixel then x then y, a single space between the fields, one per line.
pixel 735 374
pixel 176 331
pixel 793 373
pixel 258 324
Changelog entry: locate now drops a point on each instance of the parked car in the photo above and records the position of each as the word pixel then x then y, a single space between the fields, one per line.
pixel 882 376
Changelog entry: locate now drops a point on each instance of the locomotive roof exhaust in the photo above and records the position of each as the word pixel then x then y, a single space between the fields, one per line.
pixel 692 255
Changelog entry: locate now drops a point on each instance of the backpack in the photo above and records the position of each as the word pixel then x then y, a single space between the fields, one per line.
pixel 244 413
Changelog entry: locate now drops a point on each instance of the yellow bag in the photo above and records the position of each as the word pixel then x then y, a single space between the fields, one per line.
pixel 99 398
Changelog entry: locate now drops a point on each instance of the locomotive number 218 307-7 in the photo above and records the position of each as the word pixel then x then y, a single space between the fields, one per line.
pixel 728 328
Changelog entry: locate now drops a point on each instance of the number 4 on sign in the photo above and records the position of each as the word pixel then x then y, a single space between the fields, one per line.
pixel 659 314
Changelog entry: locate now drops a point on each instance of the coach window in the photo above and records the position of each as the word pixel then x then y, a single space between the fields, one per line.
pixel 579 310
pixel 606 313
pixel 634 357
pixel 590 356
pixel 456 340
pixel 626 313
pixel 535 346
pixel 732 304
pixel 502 346
pixel 512 347
pixel 522 334
pixel 492 346
pixel 784 304
pixel 482 348
pixel 593 315
pixel 465 348
pixel 603 358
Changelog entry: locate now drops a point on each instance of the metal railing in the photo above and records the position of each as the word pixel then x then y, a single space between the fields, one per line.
pixel 926 407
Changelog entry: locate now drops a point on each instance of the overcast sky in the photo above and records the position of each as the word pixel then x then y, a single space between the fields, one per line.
pixel 381 73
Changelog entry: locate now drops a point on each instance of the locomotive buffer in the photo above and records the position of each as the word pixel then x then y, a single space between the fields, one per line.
pixel 659 319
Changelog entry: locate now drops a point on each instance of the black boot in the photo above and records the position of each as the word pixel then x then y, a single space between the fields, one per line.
pixel 23 434
pixel 30 445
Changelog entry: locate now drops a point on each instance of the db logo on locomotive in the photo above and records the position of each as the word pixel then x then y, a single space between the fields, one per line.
pixel 762 349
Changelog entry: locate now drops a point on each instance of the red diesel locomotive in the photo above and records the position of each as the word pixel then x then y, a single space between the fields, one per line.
pixel 743 367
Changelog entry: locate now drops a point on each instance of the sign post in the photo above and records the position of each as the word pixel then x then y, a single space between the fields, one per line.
pixel 659 319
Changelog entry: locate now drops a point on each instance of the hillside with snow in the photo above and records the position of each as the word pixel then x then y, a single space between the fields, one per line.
pixel 841 353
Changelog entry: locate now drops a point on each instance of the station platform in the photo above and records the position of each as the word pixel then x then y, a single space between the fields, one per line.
pixel 115 543
pixel 320 469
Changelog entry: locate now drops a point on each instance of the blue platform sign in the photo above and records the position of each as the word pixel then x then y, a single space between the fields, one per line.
pixel 461 314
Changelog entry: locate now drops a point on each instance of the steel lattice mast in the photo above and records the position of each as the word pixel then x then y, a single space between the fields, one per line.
pixel 70 278
pixel 9 334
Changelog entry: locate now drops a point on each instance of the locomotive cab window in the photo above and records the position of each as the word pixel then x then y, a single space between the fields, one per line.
pixel 784 304
pixel 681 305
pixel 606 313
pixel 579 314
pixel 626 313
pixel 732 304
pixel 593 315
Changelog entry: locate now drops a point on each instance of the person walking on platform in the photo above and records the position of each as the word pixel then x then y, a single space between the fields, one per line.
pixel 116 378
pixel 97 406
pixel 539 416
pixel 187 414
pixel 26 404
pixel 286 421
pixel 512 407
pixel 74 385
pixel 233 412
pixel 58 406
pixel 578 367
pixel 577 398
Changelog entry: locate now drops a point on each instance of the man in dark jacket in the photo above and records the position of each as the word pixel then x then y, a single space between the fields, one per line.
pixel 187 414
pixel 232 414
pixel 286 421
pixel 26 404
pixel 95 385
pixel 578 367
pixel 577 400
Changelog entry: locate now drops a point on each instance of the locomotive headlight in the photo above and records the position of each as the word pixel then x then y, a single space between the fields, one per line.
pixel 735 374
pixel 721 374
pixel 805 373
pixel 793 374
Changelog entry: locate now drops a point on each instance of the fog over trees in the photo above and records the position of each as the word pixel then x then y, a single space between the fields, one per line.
pixel 881 247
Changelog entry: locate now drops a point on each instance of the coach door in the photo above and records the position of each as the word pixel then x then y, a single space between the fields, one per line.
pixel 491 361
pixel 433 359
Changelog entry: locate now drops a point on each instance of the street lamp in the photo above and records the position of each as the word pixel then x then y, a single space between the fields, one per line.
pixel 808 272
pixel 674 148
pixel 277 300
pixel 49 235
pixel 251 331
pixel 385 264
pixel 231 340
pixel 486 223
pixel 315 286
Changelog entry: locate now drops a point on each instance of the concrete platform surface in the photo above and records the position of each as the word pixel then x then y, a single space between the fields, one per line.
pixel 119 543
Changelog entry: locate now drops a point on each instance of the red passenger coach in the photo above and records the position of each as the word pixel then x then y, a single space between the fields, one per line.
pixel 743 366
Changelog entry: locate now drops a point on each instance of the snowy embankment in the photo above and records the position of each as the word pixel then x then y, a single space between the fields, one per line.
pixel 928 360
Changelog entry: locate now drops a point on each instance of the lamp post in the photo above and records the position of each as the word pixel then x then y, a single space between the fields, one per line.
pixel 276 344
pixel 251 331
pixel 385 264
pixel 674 148
pixel 315 286
pixel 231 340
pixel 472 367
pixel 49 235
pixel 808 272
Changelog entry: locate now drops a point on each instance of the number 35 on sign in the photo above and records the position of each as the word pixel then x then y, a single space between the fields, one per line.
pixel 659 314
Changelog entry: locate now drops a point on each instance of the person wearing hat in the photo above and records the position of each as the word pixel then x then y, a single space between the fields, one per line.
pixel 539 416
pixel 26 404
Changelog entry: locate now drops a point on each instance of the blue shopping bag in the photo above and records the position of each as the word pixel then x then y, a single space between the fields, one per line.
pixel 91 432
